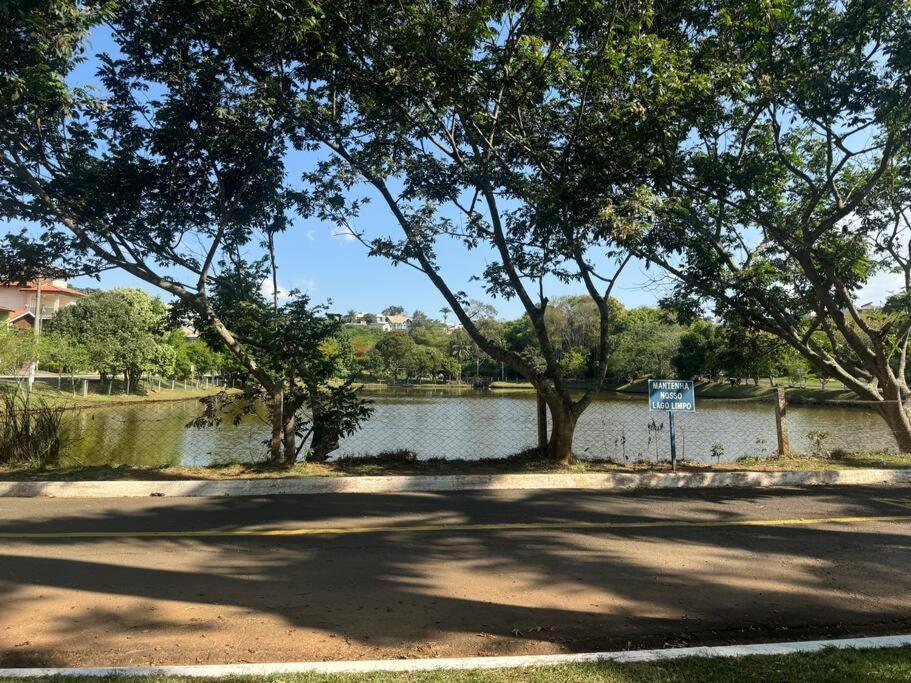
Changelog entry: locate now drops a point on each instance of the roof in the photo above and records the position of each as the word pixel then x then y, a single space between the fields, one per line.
pixel 53 289
pixel 15 315
pixel 398 319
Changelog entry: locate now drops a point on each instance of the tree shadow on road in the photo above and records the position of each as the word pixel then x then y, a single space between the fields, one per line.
pixel 399 592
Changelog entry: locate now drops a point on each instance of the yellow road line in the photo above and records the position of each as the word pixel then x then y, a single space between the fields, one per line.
pixel 430 528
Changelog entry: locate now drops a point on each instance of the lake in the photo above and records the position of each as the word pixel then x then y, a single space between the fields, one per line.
pixel 471 424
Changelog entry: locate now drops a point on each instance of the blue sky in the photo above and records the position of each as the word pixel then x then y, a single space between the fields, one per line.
pixel 335 267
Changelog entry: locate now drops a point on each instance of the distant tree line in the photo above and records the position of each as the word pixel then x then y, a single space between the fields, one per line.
pixel 646 342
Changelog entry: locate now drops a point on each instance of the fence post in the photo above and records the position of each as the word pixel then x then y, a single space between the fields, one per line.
pixel 542 423
pixel 781 422
pixel 85 387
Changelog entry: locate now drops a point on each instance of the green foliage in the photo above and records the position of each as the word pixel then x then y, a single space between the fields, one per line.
pixel 18 348
pixel 394 349
pixel 697 353
pixel 119 331
pixel 30 429
pixel 297 342
pixel 645 345
pixel 793 190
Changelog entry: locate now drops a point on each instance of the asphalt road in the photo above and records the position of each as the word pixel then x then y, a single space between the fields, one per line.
pixel 160 580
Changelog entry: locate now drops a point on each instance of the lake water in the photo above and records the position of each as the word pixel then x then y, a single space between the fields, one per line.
pixel 472 424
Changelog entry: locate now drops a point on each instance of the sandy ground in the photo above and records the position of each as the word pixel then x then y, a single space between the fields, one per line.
pixel 438 575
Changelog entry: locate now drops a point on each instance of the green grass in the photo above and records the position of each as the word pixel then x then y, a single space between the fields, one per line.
pixel 838 461
pixel 395 464
pixel 861 666
pixel 147 393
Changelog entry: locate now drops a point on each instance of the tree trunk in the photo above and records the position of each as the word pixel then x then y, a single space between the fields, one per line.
pixel 563 426
pixel 896 416
pixel 325 441
pixel 275 444
pixel 290 439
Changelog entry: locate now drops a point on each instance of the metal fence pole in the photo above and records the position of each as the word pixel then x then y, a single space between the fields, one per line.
pixel 781 422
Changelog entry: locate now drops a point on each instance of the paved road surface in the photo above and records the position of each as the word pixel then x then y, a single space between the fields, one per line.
pixel 159 580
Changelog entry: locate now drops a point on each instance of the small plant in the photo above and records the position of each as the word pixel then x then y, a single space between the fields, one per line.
pixel 817 440
pixel 30 430
pixel 717 452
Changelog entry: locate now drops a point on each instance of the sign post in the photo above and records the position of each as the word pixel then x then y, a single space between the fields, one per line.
pixel 673 396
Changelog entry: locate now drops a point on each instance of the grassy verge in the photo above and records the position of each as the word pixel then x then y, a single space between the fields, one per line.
pixel 830 665
pixel 146 394
pixel 403 463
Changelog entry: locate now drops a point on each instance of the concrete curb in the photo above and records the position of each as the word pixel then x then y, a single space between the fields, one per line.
pixel 406 665
pixel 469 482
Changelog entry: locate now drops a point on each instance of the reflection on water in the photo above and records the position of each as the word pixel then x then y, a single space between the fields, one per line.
pixel 469 424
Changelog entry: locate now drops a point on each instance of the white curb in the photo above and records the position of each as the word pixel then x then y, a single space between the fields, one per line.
pixel 405 665
pixel 469 482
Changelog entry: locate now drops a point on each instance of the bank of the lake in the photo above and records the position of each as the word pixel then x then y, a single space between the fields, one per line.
pixel 405 466
pixel 813 393
pixel 147 393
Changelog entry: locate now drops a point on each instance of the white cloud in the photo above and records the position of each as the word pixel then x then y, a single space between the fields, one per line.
pixel 311 235
pixel 880 286
pixel 266 290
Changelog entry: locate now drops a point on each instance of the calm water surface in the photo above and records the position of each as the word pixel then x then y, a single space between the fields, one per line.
pixel 471 424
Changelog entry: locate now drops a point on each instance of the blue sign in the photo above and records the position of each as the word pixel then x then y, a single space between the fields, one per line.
pixel 672 395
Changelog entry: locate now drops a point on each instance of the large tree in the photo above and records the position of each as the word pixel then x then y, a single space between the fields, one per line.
pixel 121 332
pixel 512 129
pixel 794 191
pixel 170 167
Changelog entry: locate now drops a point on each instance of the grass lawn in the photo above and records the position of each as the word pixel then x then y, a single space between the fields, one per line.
pixel 860 666
pixel 402 464
pixel 148 393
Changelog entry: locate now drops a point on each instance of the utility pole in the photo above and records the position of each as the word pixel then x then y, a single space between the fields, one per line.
pixel 34 365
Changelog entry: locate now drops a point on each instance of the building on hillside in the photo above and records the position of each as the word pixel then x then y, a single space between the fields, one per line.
pixel 20 302
pixel 398 322
pixel 386 322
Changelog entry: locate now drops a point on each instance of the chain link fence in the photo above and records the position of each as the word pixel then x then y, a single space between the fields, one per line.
pixel 473 425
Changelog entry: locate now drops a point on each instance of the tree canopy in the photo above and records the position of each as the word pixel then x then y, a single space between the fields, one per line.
pixel 792 192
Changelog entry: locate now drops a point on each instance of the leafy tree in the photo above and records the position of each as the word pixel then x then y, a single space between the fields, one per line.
pixel 517 129
pixel 393 310
pixel 697 353
pixel 17 349
pixel 745 353
pixel 304 346
pixel 794 189
pixel 182 367
pixel 428 332
pixel 646 343
pixel 201 358
pixel 395 348
pixel 171 170
pixel 119 330
pixel 65 354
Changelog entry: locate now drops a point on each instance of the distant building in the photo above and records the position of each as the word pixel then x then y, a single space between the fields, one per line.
pixel 398 322
pixel 20 302
pixel 386 322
